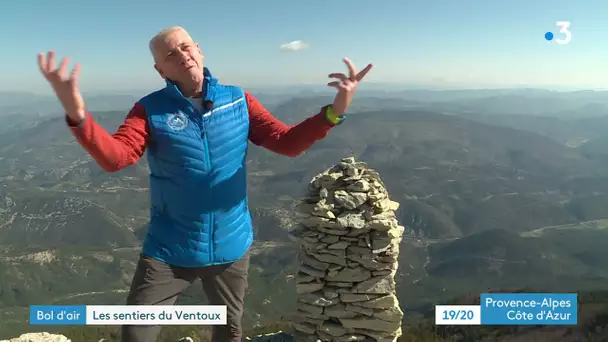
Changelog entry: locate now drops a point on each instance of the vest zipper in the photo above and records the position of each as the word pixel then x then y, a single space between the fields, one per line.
pixel 204 110
pixel 211 228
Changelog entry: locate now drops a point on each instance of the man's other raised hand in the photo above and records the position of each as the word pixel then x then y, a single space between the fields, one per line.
pixel 346 85
pixel 65 86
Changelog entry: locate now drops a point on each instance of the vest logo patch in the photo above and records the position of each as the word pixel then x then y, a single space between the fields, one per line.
pixel 177 121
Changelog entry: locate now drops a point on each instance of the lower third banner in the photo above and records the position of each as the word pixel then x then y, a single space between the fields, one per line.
pixel 529 309
pixel 128 314
pixel 512 309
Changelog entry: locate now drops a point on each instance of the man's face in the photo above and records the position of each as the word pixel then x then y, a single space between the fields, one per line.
pixel 178 58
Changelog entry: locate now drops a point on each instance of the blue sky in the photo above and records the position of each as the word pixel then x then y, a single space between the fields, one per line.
pixel 442 43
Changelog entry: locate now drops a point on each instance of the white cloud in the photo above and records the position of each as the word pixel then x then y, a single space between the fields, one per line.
pixel 296 45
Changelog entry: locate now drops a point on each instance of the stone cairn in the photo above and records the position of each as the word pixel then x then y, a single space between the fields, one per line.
pixel 349 245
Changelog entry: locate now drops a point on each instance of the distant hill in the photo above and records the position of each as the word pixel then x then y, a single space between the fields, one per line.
pixel 47 275
pixel 47 218
pixel 458 176
pixel 28 104
pixel 475 176
pixel 559 258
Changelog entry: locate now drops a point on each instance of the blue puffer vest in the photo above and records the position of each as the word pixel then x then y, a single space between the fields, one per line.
pixel 198 183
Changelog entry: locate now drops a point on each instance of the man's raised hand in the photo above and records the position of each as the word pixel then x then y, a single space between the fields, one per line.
pixel 66 88
pixel 346 86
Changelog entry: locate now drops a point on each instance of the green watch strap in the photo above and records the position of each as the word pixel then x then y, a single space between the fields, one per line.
pixel 332 117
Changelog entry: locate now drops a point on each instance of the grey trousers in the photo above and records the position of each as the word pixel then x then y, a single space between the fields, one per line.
pixel 156 283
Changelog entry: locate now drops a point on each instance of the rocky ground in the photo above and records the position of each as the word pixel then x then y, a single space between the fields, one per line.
pixel 47 337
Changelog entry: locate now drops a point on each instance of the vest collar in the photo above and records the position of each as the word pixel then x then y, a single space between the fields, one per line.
pixel 209 83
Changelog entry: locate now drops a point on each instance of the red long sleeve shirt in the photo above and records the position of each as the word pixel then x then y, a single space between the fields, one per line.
pixel 125 147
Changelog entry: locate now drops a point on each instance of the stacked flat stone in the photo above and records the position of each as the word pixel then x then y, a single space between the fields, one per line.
pixel 349 245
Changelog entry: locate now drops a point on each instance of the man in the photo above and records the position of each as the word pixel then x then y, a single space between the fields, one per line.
pixel 196 132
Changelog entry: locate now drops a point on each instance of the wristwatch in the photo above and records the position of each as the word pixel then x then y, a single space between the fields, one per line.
pixel 333 117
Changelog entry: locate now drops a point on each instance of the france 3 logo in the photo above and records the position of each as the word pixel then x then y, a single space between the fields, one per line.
pixel 564 28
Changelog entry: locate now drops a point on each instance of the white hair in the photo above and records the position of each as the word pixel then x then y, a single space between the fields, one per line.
pixel 160 36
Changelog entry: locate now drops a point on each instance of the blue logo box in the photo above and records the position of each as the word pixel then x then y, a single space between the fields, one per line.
pixel 58 314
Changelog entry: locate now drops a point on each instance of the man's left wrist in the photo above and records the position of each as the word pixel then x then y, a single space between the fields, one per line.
pixel 332 116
